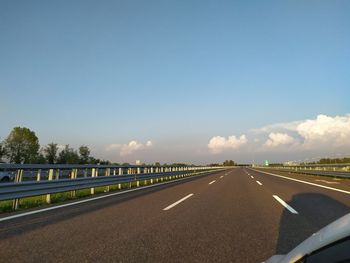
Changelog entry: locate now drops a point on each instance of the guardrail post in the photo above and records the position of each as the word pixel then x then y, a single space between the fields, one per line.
pixel 93 174
pixel 130 171
pixel 18 179
pixel 151 170
pixel 138 171
pixel 107 173
pixel 38 175
pixel 57 174
pixel 120 173
pixel 48 196
pixel 73 175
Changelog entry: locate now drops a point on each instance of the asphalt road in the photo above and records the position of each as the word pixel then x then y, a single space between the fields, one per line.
pixel 231 216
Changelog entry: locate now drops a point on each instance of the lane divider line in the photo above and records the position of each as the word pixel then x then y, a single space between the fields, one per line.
pixel 258 183
pixel 212 182
pixel 221 176
pixel 252 177
pixel 291 209
pixel 305 182
pixel 327 182
pixel 177 202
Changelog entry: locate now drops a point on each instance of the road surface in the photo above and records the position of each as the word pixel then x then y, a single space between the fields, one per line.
pixel 238 215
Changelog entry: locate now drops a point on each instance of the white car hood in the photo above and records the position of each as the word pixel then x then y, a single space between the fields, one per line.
pixel 335 231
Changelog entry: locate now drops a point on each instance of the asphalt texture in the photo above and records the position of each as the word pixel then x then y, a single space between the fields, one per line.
pixel 233 219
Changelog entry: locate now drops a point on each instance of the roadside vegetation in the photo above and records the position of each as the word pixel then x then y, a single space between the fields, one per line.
pixel 22 146
pixel 332 161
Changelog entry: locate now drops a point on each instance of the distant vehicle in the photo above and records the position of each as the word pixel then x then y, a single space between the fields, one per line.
pixel 6 176
pixel 331 244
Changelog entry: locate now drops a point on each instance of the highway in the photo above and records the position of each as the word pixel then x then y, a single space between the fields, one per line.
pixel 237 215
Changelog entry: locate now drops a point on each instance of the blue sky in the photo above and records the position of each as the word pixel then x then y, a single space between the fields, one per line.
pixel 175 73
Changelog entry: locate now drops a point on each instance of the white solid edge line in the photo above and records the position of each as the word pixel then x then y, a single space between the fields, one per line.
pixel 92 199
pixel 291 209
pixel 177 202
pixel 305 182
pixel 212 182
pixel 258 183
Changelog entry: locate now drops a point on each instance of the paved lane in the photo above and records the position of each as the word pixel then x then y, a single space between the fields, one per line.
pixel 223 217
pixel 316 206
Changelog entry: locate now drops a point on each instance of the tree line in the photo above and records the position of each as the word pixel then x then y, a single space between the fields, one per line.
pixel 332 160
pixel 22 146
pixel 225 163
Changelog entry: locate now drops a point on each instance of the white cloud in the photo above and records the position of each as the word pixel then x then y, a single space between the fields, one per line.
pixel 127 149
pixel 282 126
pixel 325 131
pixel 217 144
pixel 277 138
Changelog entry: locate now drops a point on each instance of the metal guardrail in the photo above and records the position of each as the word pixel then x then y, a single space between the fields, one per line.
pixel 10 166
pixel 325 173
pixel 112 175
pixel 319 165
pixel 38 172
pixel 333 166
pixel 10 191
pixel 320 172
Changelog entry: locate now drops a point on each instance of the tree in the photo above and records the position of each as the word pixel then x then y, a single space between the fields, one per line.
pixel 214 164
pixel 2 151
pixel 105 162
pixel 21 146
pixel 50 153
pixel 68 156
pixel 84 154
pixel 334 161
pixel 40 158
pixel 228 163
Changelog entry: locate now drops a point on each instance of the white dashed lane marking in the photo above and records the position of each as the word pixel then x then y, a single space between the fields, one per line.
pixel 177 202
pixel 290 209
